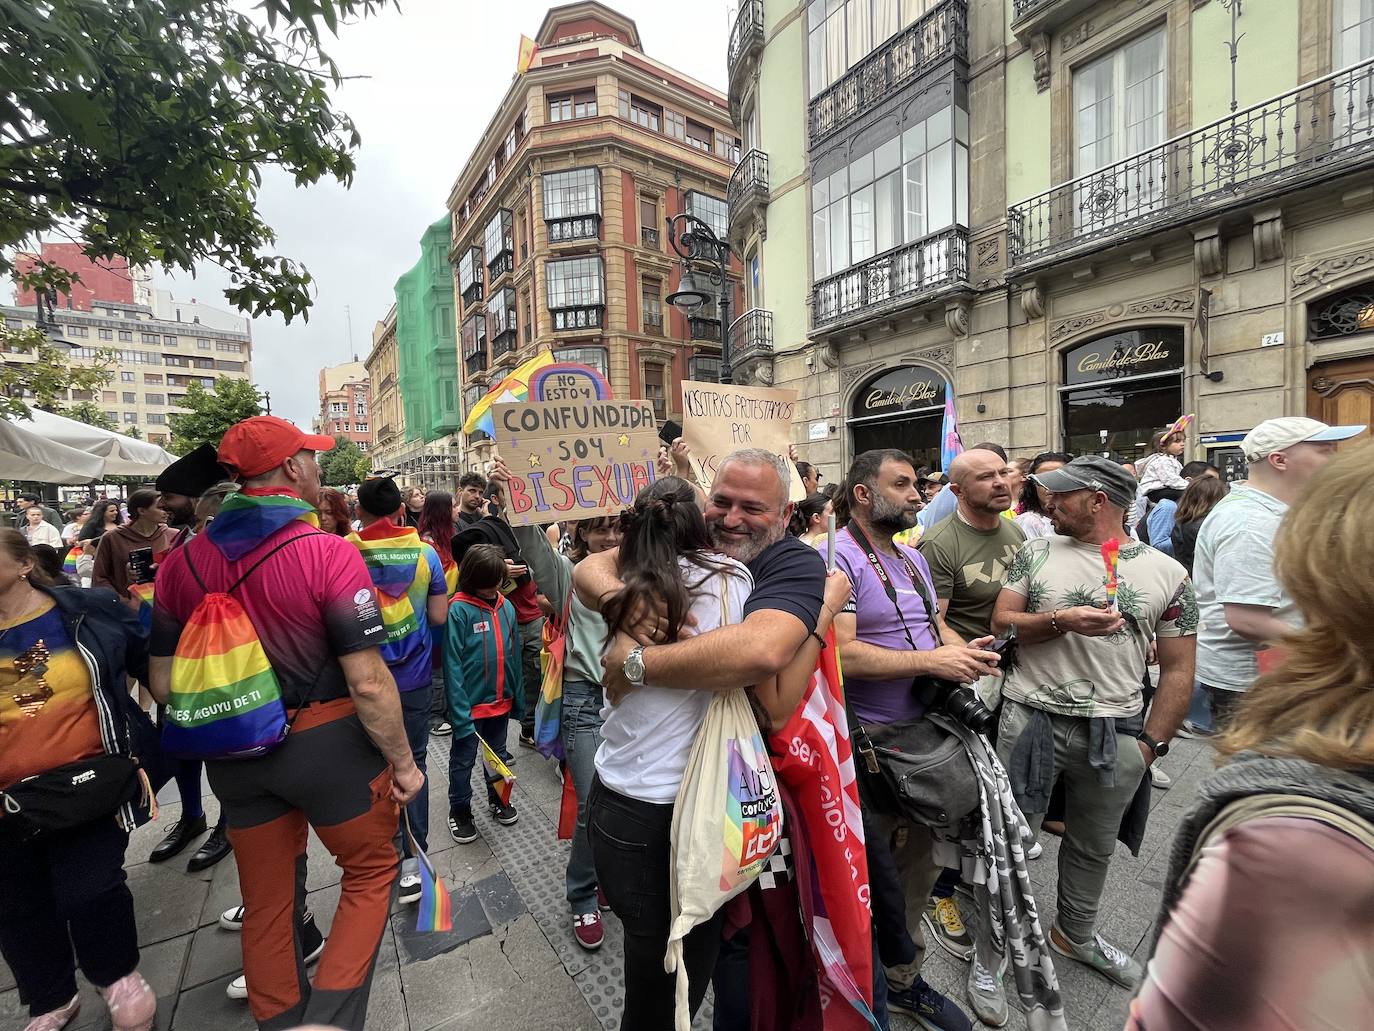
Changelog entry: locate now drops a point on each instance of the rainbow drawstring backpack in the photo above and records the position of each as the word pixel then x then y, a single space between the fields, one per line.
pixel 225 700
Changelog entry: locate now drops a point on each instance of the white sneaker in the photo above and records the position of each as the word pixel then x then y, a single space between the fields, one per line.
pixel 986 995
pixel 1160 779
pixel 232 919
pixel 1035 851
pixel 408 889
pixel 238 987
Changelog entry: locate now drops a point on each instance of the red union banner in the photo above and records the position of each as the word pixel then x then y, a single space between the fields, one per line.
pixel 575 460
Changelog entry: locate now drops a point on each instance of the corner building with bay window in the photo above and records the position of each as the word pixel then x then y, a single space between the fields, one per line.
pixel 1061 212
pixel 558 227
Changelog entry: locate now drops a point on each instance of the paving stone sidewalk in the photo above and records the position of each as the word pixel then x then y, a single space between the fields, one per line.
pixel 510 960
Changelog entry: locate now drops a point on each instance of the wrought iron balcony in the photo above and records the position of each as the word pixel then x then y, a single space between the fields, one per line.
pixel 934 37
pixel 502 345
pixel 648 237
pixel 702 328
pixel 748 189
pixel 583 316
pixel 751 336
pixel 582 227
pixel 501 263
pixel 746 38
pixel 1309 134
pixel 1029 17
pixel 476 362
pixel 896 279
pixel 653 322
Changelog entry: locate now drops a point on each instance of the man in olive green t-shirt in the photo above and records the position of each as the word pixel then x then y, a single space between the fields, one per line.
pixel 968 551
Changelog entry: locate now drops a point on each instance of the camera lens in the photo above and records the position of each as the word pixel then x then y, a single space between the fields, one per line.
pixel 963 705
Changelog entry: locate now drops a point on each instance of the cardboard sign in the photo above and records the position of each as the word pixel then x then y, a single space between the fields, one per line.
pixel 718 418
pixel 576 459
pixel 568 381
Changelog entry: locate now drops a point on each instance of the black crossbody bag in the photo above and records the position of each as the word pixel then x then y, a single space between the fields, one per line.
pixel 914 768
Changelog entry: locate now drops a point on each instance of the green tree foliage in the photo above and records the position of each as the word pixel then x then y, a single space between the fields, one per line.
pixel 345 465
pixel 91 414
pixel 43 382
pixel 142 127
pixel 212 412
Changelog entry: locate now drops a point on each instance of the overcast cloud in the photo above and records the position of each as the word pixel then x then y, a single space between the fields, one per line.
pixel 436 71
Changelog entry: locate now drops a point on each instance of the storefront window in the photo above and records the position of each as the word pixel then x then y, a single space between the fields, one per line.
pixel 1120 388
pixel 901 408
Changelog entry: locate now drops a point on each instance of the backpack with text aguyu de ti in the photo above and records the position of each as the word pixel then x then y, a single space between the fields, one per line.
pixel 225 700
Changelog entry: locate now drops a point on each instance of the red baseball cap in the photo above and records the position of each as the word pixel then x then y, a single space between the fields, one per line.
pixel 256 445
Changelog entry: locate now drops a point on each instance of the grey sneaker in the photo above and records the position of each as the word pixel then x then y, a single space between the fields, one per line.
pixel 1100 954
pixel 946 926
pixel 986 995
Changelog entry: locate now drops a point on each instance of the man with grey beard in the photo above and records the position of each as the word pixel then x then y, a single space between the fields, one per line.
pixel 746 512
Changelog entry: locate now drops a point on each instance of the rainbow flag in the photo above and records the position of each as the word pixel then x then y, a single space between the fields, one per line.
pixel 391 553
pixel 498 774
pixel 435 912
pixel 451 578
pixel 250 516
pixel 225 700
pixel 515 387
pixel 142 596
pixel 69 563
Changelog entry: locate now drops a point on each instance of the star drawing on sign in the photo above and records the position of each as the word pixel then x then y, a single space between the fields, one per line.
pixel 534 461
pixel 624 439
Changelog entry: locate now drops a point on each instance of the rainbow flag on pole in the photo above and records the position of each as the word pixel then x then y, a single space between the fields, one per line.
pixel 142 596
pixel 515 387
pixel 435 912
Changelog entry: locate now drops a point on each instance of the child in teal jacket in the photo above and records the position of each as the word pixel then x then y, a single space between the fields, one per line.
pixel 482 661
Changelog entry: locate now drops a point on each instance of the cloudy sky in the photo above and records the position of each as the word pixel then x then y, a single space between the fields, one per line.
pixel 435 72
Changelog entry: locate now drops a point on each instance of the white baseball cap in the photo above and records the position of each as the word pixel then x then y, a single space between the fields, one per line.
pixel 1280 434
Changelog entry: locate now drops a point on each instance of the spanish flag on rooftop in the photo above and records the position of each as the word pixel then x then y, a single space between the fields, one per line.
pixel 528 49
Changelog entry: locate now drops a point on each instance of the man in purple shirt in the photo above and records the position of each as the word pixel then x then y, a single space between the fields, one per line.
pixel 889 634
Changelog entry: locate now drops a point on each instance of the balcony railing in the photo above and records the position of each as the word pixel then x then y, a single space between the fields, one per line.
pixel 388 381
pixel 502 345
pixel 704 369
pixel 746 38
pixel 501 263
pixel 894 279
pixel 648 237
pixel 751 336
pixel 935 36
pixel 1021 8
pixel 584 316
pixel 653 322
pixel 748 188
pixel 1318 130
pixel 702 328
pixel 581 227
pixel 475 363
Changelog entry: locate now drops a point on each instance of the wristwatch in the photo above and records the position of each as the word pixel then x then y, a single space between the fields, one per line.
pixel 633 667
pixel 1160 748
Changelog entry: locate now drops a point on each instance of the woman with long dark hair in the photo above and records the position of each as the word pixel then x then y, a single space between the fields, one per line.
pixel 104 517
pixel 1266 915
pixel 1194 506
pixel 65 655
pixel 1031 515
pixel 435 527
pixel 810 518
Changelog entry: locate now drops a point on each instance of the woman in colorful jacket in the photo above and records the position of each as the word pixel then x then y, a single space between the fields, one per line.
pixel 65 655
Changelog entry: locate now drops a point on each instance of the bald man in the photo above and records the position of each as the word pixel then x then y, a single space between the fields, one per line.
pixel 968 551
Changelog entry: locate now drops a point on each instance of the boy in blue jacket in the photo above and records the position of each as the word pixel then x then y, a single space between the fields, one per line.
pixel 482 659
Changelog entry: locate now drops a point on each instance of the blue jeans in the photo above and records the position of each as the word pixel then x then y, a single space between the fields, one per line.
pixel 462 757
pixel 581 731
pixel 1200 712
pixel 415 716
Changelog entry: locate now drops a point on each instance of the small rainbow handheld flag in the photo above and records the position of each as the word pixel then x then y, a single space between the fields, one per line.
pixel 1111 555
pixel 497 773
pixel 69 563
pixel 142 595
pixel 435 912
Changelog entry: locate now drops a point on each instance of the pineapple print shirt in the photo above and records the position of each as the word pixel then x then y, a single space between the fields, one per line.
pixel 1095 676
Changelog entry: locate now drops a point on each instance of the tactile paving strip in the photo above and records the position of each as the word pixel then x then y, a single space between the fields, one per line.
pixel 536 860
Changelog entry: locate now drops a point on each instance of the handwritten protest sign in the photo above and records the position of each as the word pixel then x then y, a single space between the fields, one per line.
pixel 718 418
pixel 575 460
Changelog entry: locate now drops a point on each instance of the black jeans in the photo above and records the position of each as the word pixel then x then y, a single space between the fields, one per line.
pixel 60 891
pixel 631 846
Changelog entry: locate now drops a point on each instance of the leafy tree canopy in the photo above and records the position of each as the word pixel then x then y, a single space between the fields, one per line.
pixel 142 127
pixel 345 465
pixel 92 415
pixel 212 412
pixel 43 382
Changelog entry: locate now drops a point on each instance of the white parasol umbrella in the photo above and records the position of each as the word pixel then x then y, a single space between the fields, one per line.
pixel 26 455
pixel 124 456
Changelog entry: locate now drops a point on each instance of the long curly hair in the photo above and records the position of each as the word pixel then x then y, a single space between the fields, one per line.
pixel 663 525
pixel 1319 704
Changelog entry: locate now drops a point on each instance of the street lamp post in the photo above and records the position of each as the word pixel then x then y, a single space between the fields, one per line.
pixel 694 242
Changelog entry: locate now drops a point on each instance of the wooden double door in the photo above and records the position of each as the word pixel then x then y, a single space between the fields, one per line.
pixel 1341 393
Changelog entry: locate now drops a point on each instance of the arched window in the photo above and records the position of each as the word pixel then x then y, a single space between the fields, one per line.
pixel 1349 311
